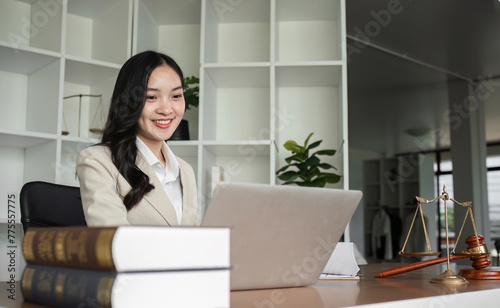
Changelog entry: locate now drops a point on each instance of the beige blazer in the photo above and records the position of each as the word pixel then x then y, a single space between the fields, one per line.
pixel 103 189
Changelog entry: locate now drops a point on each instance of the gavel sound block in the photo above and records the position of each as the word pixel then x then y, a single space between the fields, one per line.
pixel 479 263
pixel 478 255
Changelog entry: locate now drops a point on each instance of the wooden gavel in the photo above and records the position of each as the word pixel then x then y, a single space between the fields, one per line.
pixel 478 260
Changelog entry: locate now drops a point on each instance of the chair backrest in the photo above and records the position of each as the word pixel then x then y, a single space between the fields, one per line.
pixel 46 204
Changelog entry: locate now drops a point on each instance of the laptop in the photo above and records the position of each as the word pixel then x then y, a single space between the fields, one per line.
pixel 281 236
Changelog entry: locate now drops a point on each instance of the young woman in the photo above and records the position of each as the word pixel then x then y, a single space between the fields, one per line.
pixel 132 177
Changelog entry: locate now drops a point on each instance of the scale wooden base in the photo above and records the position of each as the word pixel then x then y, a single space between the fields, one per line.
pixel 487 273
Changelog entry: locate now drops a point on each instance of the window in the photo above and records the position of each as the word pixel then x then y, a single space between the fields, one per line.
pixel 444 178
pixel 493 175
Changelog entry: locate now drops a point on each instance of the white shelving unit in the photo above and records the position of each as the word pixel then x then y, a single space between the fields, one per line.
pixel 270 71
pixel 98 36
pixel 49 50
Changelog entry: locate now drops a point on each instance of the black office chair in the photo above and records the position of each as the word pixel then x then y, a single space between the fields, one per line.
pixel 46 204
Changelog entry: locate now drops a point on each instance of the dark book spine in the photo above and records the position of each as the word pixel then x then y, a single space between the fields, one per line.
pixel 79 247
pixel 67 287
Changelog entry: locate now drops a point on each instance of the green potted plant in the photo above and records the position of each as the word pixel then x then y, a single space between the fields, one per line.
pixel 191 92
pixel 304 168
pixel 191 98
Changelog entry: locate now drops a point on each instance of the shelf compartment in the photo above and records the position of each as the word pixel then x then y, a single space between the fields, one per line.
pixel 309 74
pixel 237 98
pixel 99 30
pixel 20 139
pixel 39 162
pixel 237 31
pixel 24 60
pixel 19 165
pixel 186 150
pixel 29 83
pixel 66 173
pixel 88 73
pixel 86 78
pixel 309 100
pixel 35 24
pixel 12 166
pixel 192 116
pixel 171 27
pixel 242 162
pixel 308 30
pixel 247 149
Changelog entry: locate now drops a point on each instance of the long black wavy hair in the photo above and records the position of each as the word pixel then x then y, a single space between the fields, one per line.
pixel 127 102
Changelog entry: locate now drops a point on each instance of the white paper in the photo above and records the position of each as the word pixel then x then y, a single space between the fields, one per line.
pixel 342 261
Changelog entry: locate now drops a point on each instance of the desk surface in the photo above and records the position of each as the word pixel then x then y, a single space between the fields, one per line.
pixel 413 287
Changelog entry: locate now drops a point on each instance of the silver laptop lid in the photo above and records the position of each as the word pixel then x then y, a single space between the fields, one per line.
pixel 281 236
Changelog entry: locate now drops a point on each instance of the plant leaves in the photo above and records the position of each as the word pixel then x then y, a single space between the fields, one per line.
pixel 319 182
pixel 314 172
pixel 296 157
pixel 326 166
pixel 283 169
pixel 325 152
pixel 191 80
pixel 303 167
pixel 309 167
pixel 307 139
pixel 291 182
pixel 313 161
pixel 314 144
pixel 330 177
pixel 289 176
pixel 292 146
pixel 314 183
pixel 191 92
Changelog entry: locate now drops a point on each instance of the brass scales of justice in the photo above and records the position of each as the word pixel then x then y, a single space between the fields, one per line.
pixel 476 250
pixel 99 110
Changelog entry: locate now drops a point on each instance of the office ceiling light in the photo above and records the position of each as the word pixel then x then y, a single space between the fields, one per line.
pixel 418 131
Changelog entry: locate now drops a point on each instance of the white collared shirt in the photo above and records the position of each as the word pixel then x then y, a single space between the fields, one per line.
pixel 168 174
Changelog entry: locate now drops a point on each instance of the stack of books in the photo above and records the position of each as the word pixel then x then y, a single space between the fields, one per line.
pixel 127 266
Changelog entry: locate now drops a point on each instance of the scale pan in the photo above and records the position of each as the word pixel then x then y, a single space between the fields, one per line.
pixel 419 254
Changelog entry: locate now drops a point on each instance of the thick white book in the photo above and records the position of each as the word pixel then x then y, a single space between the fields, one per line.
pixel 70 287
pixel 128 248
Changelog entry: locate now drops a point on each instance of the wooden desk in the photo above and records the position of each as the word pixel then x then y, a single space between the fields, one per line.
pixel 412 288
pixel 409 289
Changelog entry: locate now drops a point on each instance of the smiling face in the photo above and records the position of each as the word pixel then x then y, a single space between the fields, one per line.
pixel 163 109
